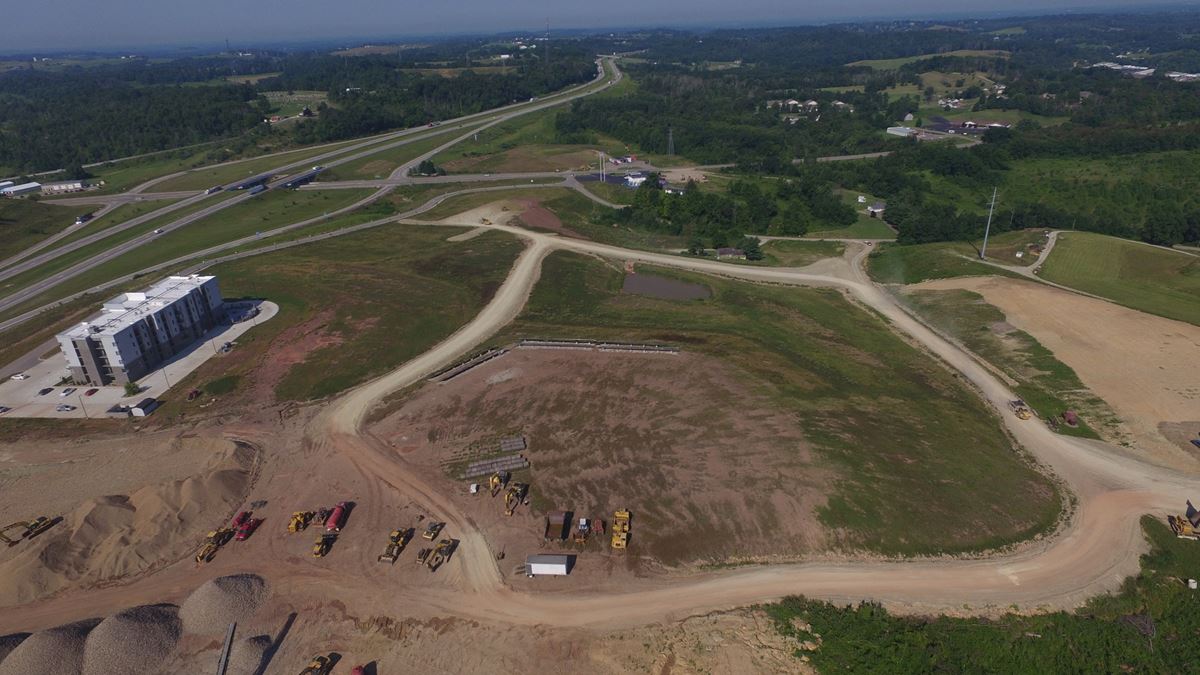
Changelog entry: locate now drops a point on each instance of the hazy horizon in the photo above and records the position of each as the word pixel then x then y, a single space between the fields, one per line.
pixel 85 26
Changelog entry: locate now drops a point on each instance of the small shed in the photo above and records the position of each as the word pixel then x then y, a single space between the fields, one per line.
pixel 543 564
pixel 144 407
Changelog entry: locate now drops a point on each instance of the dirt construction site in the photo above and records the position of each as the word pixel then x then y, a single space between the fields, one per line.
pixel 366 528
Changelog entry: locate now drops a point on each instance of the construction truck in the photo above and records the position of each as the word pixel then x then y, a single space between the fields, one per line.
pixel 300 521
pixel 324 544
pixel 1186 526
pixel 441 554
pixel 512 498
pixel 1020 409
pixel 620 529
pixel 432 530
pixel 397 540
pixel 320 665
pixel 213 543
pixel 29 529
pixel 582 530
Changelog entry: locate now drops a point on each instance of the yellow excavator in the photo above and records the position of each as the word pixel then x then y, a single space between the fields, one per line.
pixel 300 521
pixel 512 498
pixel 496 482
pixel 441 554
pixel 29 529
pixel 396 543
pixel 212 543
pixel 320 665
pixel 620 529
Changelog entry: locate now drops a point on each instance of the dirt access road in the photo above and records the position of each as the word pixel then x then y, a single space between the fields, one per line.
pixel 1097 549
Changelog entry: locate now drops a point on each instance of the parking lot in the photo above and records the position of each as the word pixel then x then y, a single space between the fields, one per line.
pixel 25 400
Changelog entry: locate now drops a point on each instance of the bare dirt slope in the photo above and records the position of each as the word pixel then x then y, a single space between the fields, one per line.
pixel 717 470
pixel 1146 367
pixel 113 536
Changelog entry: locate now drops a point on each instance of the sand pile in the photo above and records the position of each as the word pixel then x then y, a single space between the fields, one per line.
pixel 247 655
pixel 115 536
pixel 54 651
pixel 134 641
pixel 211 607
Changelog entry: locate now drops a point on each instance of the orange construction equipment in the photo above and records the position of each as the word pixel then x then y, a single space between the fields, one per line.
pixel 620 529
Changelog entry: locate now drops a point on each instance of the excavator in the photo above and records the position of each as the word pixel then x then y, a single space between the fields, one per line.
pixel 31 529
pixel 441 554
pixel 300 521
pixel 212 543
pixel 497 481
pixel 324 544
pixel 320 665
pixel 620 529
pixel 512 498
pixel 396 543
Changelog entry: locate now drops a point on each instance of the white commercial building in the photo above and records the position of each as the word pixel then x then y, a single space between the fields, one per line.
pixel 22 189
pixel 136 332
pixel 62 186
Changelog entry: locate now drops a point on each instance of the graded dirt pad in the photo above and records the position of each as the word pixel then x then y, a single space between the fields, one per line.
pixel 210 608
pixel 537 217
pixel 685 174
pixel 1145 367
pixel 111 537
pixel 663 288
pixel 667 436
pixel 55 651
pixel 134 641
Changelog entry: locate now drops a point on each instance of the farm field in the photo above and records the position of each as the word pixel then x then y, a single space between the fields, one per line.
pixel 523 144
pixel 1146 278
pixel 810 359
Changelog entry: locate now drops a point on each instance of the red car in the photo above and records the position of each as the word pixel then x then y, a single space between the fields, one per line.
pixel 247 528
pixel 90 392
pixel 241 518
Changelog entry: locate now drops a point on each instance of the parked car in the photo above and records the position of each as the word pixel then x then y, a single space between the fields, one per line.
pixel 20 376
pixel 4 409
pixel 45 391
pixel 64 407
pixel 67 392
pixel 90 392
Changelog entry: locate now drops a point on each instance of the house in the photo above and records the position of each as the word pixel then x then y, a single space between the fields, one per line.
pixel 727 252
pixel 876 210
pixel 842 105
pixel 908 117
pixel 544 564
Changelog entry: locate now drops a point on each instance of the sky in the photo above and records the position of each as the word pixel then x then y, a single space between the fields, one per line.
pixel 58 25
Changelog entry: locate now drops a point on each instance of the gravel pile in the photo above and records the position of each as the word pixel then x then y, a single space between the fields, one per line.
pixel 137 640
pixel 54 651
pixel 10 642
pixel 247 655
pixel 211 607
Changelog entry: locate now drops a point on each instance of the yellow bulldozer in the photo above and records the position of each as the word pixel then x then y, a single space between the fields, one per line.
pixel 514 496
pixel 441 554
pixel 620 529
pixel 323 544
pixel 397 540
pixel 300 521
pixel 28 529
pixel 1186 526
pixel 213 543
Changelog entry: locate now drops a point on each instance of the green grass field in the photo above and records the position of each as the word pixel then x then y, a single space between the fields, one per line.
pixel 896 264
pixel 24 222
pixel 335 331
pixel 786 253
pixel 1048 385
pixel 381 164
pixel 893 64
pixel 1150 626
pixel 1153 280
pixel 886 419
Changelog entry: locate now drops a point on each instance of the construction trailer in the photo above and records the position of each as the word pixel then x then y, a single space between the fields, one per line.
pixel 548 565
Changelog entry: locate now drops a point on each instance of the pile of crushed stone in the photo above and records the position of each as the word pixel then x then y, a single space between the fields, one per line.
pixel 215 604
pixel 136 640
pixel 53 651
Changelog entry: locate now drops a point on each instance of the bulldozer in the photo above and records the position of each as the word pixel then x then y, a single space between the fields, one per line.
pixel 323 544
pixel 432 530
pixel 423 555
pixel 300 521
pixel 441 554
pixel 620 529
pixel 213 543
pixel 30 529
pixel 512 498
pixel 320 665
pixel 1020 409
pixel 395 546
pixel 1186 526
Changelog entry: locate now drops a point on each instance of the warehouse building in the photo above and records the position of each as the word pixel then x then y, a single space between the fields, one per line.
pixel 137 332
pixel 22 189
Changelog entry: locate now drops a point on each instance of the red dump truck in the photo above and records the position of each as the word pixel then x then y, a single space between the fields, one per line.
pixel 336 518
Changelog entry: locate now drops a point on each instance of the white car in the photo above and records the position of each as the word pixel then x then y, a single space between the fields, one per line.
pixel 20 376
pixel 67 392
pixel 63 407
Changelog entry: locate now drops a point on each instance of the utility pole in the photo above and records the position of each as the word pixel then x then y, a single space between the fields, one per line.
pixel 601 166
pixel 987 229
